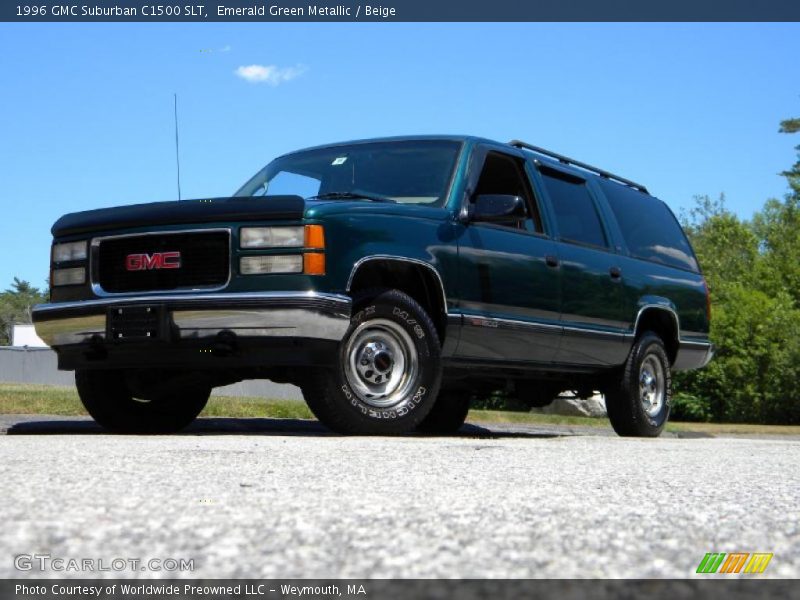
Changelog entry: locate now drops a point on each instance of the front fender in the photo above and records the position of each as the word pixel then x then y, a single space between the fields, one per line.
pixel 353 240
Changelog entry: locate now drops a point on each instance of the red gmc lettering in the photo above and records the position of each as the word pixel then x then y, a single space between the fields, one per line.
pixel 157 260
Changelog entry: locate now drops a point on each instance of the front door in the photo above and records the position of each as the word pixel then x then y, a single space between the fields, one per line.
pixel 508 275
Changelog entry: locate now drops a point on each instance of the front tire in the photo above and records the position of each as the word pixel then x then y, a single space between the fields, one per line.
pixel 388 370
pixel 107 398
pixel 638 404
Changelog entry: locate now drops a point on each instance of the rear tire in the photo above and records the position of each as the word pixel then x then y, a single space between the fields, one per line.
pixel 448 413
pixel 638 403
pixel 388 370
pixel 107 398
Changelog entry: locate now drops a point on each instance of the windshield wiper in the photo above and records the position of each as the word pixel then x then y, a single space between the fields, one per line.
pixel 350 196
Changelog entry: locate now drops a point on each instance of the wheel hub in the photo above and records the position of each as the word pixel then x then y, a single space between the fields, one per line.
pixel 381 362
pixel 375 362
pixel 651 385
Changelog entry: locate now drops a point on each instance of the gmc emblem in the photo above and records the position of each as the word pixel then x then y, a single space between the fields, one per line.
pixel 157 260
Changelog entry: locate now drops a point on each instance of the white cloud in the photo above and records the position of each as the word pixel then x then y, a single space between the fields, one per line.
pixel 269 74
pixel 212 51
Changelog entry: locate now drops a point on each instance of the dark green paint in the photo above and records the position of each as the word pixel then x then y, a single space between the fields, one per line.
pixel 573 314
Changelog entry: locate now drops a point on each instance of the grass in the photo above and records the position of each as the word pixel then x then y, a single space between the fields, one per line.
pixel 225 406
pixel 28 399
pixel 735 428
pixel 492 416
pixel 504 416
pixel 16 398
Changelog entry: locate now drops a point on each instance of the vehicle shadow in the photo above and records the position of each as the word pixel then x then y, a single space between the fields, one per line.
pixel 30 425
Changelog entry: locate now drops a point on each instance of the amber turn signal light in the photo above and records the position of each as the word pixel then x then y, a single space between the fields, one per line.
pixel 315 237
pixel 314 263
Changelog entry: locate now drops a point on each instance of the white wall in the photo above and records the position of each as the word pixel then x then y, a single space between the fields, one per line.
pixel 39 365
pixel 25 335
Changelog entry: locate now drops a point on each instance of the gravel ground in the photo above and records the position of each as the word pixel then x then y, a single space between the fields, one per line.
pixel 283 499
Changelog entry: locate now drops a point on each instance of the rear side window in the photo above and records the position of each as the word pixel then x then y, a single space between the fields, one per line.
pixel 649 228
pixel 576 214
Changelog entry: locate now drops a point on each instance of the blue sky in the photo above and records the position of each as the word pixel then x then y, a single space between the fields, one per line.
pixel 86 109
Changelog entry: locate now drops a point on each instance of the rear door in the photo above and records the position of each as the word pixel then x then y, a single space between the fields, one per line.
pixel 660 268
pixel 591 275
pixel 508 280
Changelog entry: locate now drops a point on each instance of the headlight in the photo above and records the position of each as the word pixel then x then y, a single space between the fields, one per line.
pixel 280 263
pixel 69 251
pixel 74 276
pixel 272 237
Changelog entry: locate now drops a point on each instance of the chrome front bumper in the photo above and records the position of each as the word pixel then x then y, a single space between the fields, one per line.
pixel 202 316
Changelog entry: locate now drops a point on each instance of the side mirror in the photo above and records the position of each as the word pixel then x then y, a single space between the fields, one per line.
pixel 498 208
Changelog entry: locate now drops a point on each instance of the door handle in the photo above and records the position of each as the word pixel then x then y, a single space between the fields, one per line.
pixel 551 261
pixel 615 272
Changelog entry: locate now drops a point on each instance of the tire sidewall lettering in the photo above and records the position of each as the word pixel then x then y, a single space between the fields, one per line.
pixel 394 412
pixel 403 315
pixel 413 401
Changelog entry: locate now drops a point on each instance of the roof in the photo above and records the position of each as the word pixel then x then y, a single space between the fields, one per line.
pixel 399 138
pixel 544 156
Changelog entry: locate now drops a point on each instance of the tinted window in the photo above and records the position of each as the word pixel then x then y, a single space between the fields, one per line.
pixel 575 211
pixel 648 226
pixel 286 182
pixel 502 174
pixel 407 172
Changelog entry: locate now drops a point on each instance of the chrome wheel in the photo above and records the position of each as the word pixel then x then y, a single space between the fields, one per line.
pixel 381 363
pixel 651 385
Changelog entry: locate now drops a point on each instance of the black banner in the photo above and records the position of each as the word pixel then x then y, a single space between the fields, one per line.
pixel 371 589
pixel 399 10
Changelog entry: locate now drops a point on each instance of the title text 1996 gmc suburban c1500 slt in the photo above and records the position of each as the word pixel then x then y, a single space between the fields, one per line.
pixel 388 279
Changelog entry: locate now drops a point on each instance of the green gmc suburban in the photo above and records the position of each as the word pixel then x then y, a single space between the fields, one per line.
pixel 390 280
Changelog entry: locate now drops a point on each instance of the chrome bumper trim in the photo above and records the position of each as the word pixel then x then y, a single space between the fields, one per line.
pixel 200 316
pixel 693 355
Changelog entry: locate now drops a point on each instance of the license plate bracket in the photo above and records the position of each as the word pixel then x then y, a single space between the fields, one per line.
pixel 135 323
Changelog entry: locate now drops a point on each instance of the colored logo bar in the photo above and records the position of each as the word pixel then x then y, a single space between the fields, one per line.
pixel 734 562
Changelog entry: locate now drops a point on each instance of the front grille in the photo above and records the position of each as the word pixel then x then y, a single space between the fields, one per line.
pixel 204 262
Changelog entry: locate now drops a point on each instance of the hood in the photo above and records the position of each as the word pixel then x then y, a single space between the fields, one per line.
pixel 207 210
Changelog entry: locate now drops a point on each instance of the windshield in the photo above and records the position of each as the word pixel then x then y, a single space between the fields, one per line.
pixel 412 172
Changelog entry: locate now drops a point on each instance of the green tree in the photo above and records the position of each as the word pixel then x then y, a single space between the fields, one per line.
pixel 752 378
pixel 16 304
pixel 754 276
pixel 793 174
pixel 777 227
pixel 726 247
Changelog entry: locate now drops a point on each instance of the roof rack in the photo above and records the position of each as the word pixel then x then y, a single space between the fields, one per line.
pixel 569 161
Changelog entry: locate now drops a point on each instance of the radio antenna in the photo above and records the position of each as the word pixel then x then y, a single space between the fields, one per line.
pixel 177 154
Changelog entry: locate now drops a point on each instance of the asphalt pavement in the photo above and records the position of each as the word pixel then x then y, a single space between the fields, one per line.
pixel 272 498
